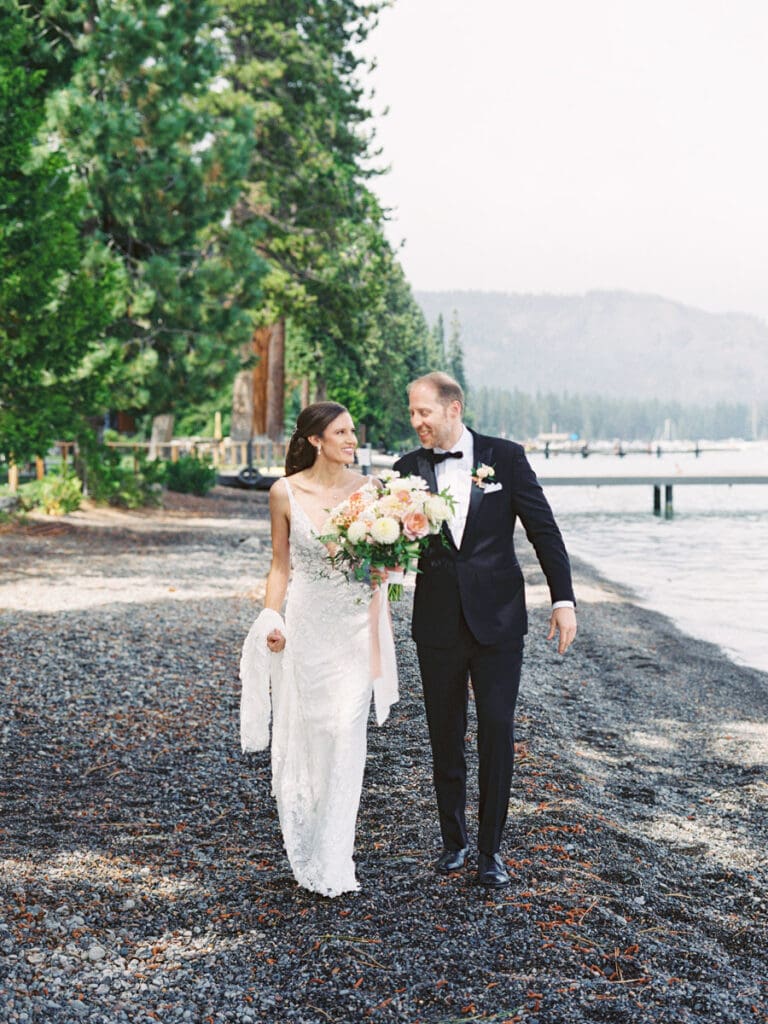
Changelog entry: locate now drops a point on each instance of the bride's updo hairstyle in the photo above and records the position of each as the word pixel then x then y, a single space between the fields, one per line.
pixel 312 422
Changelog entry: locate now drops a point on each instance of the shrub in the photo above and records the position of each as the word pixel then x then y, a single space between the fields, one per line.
pixel 190 475
pixel 113 479
pixel 56 494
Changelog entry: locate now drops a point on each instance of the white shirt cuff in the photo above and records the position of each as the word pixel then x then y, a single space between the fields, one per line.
pixel 563 604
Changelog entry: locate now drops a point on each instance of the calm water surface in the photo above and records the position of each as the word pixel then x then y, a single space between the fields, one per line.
pixel 707 568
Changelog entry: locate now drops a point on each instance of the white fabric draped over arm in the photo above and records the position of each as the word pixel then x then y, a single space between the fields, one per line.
pixel 258 665
pixel 383 660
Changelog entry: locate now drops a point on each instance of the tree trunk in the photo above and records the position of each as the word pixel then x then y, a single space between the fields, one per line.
pixel 261 338
pixel 275 395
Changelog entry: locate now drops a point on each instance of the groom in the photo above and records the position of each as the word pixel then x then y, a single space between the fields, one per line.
pixel 469 614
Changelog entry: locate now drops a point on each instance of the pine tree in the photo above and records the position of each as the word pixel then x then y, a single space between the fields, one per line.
pixel 57 290
pixel 454 356
pixel 295 65
pixel 164 168
pixel 439 356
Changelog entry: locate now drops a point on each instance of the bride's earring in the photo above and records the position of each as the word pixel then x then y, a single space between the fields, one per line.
pixel 319 449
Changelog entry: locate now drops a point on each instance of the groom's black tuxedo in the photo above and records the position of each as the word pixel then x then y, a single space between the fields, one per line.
pixel 482 578
pixel 469 618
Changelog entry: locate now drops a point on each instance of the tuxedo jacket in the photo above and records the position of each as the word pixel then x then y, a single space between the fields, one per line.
pixel 482 578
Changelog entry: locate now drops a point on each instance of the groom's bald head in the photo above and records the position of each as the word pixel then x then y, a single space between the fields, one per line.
pixel 445 387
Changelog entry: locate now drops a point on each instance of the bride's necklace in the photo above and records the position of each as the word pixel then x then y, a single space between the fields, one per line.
pixel 332 495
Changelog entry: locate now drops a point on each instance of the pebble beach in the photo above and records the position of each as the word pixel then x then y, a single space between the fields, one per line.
pixel 142 876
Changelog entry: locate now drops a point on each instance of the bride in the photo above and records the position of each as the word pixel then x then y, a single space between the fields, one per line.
pixel 328 657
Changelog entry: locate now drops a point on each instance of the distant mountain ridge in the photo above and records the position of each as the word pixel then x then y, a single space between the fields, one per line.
pixel 615 343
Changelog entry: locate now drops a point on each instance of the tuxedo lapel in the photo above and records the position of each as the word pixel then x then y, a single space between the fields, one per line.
pixel 426 470
pixel 481 453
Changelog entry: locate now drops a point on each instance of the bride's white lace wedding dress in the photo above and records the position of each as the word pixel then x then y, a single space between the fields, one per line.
pixel 339 651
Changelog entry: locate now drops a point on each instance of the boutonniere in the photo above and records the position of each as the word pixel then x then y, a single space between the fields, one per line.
pixel 483 475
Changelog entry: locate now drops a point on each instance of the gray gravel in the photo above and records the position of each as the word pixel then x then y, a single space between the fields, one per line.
pixel 143 877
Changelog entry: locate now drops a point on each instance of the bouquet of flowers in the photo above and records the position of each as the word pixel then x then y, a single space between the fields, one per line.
pixel 386 526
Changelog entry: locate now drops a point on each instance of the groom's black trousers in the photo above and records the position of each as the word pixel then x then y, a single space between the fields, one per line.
pixel 495 673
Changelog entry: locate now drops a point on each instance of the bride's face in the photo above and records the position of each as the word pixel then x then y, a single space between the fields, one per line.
pixel 339 440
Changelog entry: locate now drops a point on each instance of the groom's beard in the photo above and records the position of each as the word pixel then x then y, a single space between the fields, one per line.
pixel 439 435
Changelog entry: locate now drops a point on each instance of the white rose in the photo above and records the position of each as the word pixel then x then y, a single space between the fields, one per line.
pixel 356 532
pixel 411 483
pixel 436 509
pixel 385 530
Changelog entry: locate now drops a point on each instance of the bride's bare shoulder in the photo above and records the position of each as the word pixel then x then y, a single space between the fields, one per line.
pixel 298 482
pixel 357 481
pixel 278 493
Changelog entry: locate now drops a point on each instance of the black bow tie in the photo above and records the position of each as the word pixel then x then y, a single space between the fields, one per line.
pixel 438 457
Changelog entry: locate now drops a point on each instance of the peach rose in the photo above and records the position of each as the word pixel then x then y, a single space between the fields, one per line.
pixel 415 525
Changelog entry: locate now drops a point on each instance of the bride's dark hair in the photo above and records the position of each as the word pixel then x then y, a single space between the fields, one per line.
pixel 312 422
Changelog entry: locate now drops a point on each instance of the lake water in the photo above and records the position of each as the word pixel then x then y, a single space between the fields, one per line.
pixel 706 568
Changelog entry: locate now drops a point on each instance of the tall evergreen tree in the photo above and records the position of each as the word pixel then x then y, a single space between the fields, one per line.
pixel 164 169
pixel 57 290
pixel 295 65
pixel 438 342
pixel 454 354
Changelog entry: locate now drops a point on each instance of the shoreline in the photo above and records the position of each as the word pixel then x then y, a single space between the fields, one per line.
pixel 143 869
pixel 744 658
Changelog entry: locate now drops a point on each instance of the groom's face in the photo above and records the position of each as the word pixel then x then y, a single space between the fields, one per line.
pixel 438 425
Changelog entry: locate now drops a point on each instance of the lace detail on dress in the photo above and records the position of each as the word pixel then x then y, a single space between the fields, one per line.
pixel 320 713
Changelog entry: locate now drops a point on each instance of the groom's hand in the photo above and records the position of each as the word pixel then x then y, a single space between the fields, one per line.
pixel 563 621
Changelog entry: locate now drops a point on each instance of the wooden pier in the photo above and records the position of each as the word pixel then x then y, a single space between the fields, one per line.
pixel 657 482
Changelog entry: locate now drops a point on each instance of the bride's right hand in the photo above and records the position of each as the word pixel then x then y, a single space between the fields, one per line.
pixel 379 574
pixel 275 641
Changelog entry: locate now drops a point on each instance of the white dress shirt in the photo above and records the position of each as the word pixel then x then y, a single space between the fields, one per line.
pixel 455 476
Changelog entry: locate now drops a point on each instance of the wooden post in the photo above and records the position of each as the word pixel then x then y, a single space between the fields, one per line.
pixel 656 500
pixel 13 477
pixel 39 468
pixel 668 512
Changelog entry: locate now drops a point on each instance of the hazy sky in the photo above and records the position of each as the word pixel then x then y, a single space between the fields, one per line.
pixel 565 145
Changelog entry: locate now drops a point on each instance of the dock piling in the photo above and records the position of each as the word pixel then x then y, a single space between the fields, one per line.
pixel 668 510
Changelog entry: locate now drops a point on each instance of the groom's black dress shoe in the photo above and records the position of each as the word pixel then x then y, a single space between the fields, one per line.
pixel 451 860
pixel 491 871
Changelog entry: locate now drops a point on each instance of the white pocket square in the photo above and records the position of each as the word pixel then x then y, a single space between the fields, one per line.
pixel 490 488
